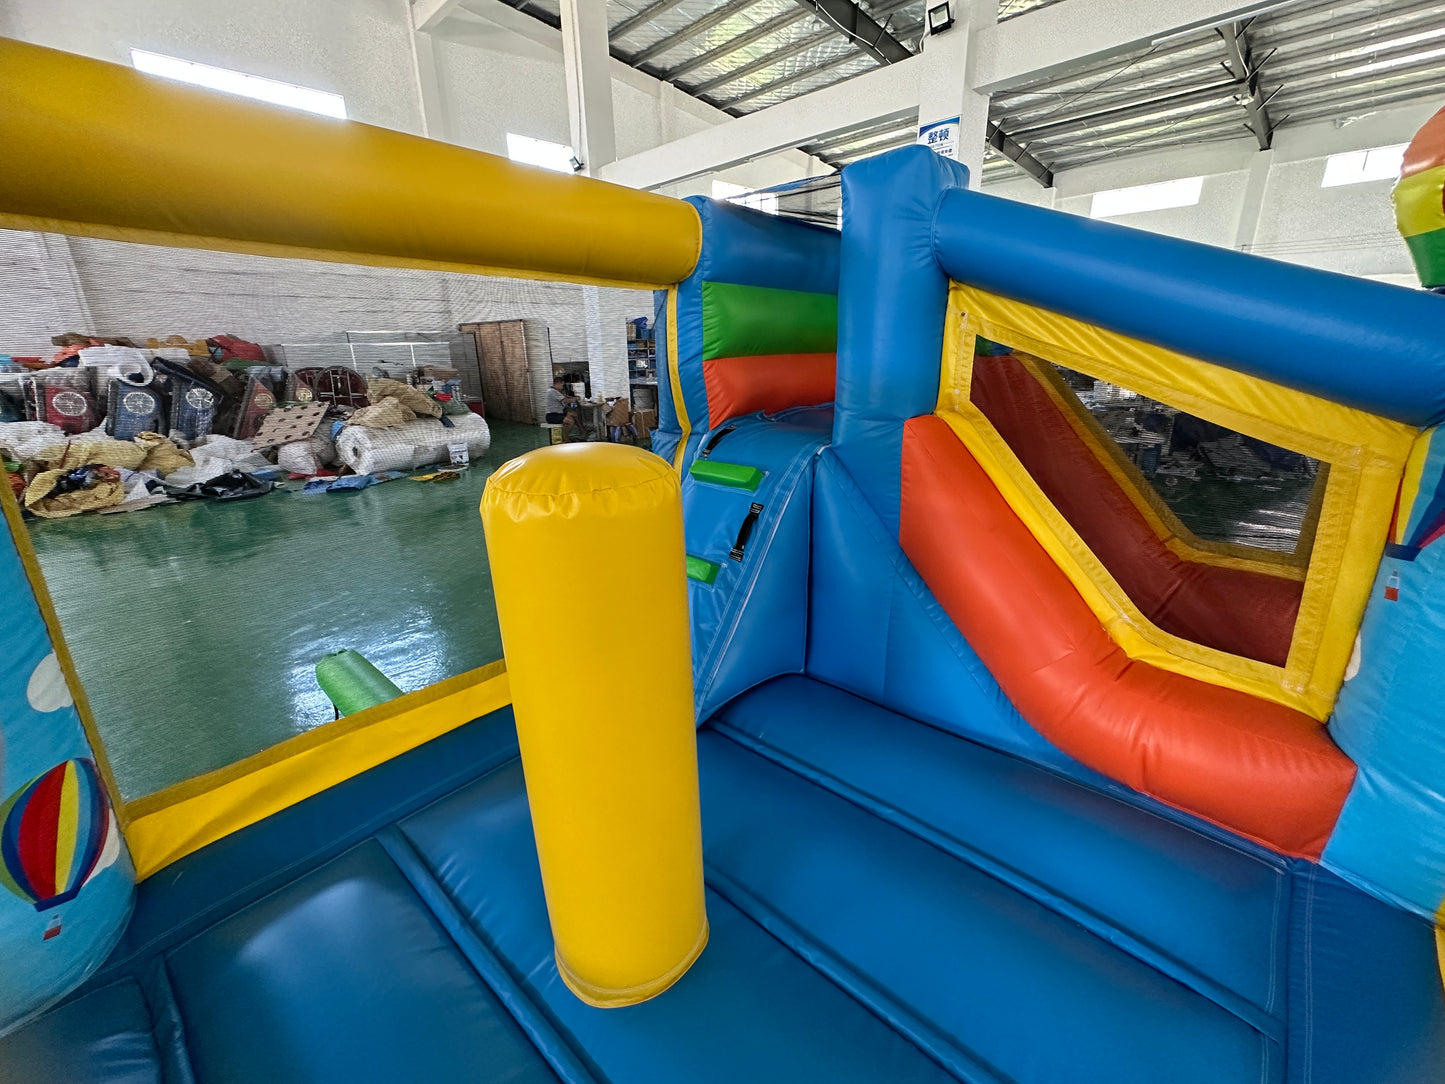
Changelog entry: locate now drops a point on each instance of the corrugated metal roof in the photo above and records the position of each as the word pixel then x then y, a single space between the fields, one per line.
pixel 1302 62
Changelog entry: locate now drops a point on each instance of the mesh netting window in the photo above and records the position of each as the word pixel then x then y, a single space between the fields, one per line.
pixel 1206 529
pixel 267 461
pixel 1224 486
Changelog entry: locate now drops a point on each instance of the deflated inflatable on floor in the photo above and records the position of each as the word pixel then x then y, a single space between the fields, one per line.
pixel 1064 605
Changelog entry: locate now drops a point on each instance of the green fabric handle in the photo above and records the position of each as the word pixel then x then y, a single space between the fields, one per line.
pixel 734 475
pixel 700 570
pixel 748 321
pixel 352 683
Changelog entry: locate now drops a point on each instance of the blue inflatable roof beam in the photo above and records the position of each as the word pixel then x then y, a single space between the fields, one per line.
pixel 1373 346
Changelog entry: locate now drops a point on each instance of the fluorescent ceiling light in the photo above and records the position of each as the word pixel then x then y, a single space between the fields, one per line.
pixel 247 86
pixel 1184 192
pixel 539 152
pixel 1357 167
pixel 742 194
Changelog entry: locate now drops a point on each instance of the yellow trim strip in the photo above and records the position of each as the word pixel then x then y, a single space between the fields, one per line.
pixel 10 508
pixel 674 376
pixel 1366 453
pixel 170 824
pixel 67 820
pixel 1410 485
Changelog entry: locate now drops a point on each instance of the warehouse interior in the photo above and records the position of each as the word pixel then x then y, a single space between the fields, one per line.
pixel 235 463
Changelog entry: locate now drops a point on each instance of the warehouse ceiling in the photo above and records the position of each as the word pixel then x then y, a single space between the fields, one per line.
pixel 1309 60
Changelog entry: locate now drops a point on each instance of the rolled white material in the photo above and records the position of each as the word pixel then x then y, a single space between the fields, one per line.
pixel 409 446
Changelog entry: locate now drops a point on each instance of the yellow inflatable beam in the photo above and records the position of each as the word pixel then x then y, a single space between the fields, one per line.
pixel 609 746
pixel 102 150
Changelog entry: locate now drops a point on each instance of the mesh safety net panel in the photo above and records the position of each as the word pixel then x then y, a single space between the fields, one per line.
pixel 1206 529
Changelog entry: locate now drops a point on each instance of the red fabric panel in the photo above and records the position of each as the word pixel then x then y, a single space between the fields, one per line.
pixel 1260 769
pixel 1245 613
pixel 39 834
pixel 768 382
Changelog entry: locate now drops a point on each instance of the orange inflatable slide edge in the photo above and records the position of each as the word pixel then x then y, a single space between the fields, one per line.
pixel 1257 768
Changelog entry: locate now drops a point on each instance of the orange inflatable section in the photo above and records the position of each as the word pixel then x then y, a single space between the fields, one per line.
pixel 1427 149
pixel 768 382
pixel 1254 767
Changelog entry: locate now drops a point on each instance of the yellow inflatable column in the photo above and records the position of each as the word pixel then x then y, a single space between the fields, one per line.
pixel 605 720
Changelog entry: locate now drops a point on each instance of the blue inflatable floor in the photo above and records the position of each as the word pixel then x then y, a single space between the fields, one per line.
pixel 888 903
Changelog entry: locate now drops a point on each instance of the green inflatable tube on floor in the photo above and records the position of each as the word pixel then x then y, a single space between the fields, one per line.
pixel 352 683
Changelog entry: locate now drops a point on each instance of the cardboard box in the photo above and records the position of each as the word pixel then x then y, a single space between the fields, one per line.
pixel 554 433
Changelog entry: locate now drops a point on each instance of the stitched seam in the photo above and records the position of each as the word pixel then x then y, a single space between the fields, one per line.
pixel 1134 946
pixel 856 984
pixel 303 862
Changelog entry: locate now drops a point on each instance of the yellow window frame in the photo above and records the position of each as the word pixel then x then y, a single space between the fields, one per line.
pixel 1366 456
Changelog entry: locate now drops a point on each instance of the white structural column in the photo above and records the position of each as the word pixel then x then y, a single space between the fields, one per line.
pixel 434 121
pixel 62 280
pixel 944 83
pixel 587 65
pixel 589 83
pixel 1246 229
pixel 606 328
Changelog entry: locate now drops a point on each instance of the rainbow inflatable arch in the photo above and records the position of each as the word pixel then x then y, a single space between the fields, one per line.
pixel 1064 606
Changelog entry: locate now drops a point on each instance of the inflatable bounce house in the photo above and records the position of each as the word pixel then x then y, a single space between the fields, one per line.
pixel 1045 683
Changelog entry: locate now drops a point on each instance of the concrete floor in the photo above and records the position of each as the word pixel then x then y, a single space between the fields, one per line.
pixel 195 627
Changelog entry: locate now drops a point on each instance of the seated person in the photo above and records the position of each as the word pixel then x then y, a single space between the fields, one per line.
pixel 562 410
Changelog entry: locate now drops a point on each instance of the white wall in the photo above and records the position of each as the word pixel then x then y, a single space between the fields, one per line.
pixel 502 72
pixel 360 49
pixel 143 291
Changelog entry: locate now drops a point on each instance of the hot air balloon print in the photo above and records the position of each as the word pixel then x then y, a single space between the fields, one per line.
pixel 53 831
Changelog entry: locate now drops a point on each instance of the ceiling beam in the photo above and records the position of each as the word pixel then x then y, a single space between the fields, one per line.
pixel 891 90
pixel 1050 41
pixel 783 52
pixel 802 45
pixel 650 12
pixel 1059 39
pixel 860 28
pixel 427 14
pixel 1019 155
pixel 732 45
pixel 690 31
pixel 1150 108
pixel 850 57
pixel 1242 65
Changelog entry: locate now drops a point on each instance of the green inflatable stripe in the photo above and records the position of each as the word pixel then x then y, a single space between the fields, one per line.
pixel 1428 252
pixel 746 321
pixel 352 683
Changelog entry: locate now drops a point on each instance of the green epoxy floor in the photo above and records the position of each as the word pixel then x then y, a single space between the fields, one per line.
pixel 196 627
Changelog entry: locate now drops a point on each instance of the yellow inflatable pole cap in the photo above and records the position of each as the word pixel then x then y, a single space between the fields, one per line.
pixel 605 725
